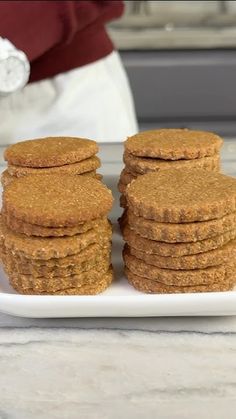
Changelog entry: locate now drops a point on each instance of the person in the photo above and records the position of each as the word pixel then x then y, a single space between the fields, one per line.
pixel 77 84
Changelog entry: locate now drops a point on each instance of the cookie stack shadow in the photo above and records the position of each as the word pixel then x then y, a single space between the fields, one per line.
pixel 55 235
pixel 180 229
pixel 163 149
pixel 51 155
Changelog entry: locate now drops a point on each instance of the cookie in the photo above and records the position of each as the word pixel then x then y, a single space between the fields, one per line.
pixel 50 151
pixel 175 249
pixel 204 260
pixel 179 233
pixel 90 283
pixel 187 277
pixel 79 168
pixel 86 257
pixel 55 247
pixel 57 200
pixel 19 226
pixel 180 196
pixel 100 262
pixel 174 144
pixel 144 165
pixel 154 287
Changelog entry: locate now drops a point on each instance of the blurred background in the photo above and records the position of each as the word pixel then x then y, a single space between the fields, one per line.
pixel 180 57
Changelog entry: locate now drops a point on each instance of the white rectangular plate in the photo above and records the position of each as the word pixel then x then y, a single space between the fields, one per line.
pixel 120 300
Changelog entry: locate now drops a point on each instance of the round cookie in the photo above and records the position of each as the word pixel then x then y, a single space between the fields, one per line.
pixel 175 249
pixel 174 144
pixel 87 256
pixel 79 168
pixel 126 177
pixel 100 262
pixel 204 260
pixel 180 196
pixel 175 277
pixel 154 287
pixel 90 283
pixel 56 200
pixel 144 165
pixel 179 233
pixel 19 226
pixel 50 151
pixel 55 247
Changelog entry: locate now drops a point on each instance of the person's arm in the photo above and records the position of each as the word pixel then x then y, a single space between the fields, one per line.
pixel 37 26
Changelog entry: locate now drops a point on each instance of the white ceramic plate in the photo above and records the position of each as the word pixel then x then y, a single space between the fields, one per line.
pixel 120 300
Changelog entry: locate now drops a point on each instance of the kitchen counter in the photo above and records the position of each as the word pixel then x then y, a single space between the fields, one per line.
pixel 119 368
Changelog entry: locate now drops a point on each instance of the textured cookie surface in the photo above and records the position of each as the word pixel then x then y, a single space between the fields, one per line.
pixel 54 247
pixel 176 196
pixel 175 249
pixel 179 233
pixel 99 262
pixel 90 283
pixel 56 200
pixel 215 257
pixel 155 287
pixel 79 168
pixel 19 226
pixel 144 165
pixel 186 277
pixel 174 144
pixel 50 151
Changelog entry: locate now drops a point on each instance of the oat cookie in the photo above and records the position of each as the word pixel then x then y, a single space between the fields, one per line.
pixel 177 196
pixel 121 187
pixel 79 168
pixel 19 226
pixel 174 144
pixel 126 177
pixel 175 249
pixel 179 233
pixel 74 285
pixel 214 257
pixel 101 263
pixel 144 165
pixel 57 200
pixel 55 247
pixel 187 277
pixel 50 151
pixel 123 202
pixel 154 287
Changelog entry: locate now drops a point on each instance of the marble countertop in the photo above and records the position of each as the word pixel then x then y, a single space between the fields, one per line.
pixel 119 368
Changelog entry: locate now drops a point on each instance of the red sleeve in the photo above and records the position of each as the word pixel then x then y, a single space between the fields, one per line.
pixel 37 26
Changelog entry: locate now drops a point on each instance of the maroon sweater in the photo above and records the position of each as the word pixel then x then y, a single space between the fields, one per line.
pixel 58 36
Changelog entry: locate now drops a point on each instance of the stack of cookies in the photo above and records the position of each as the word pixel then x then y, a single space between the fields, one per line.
pixel 180 232
pixel 52 155
pixel 55 235
pixel 163 149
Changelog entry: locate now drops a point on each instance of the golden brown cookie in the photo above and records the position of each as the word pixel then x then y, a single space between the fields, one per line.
pixel 79 168
pixel 177 196
pixel 54 247
pixel 50 151
pixel 143 165
pixel 154 287
pixel 101 261
pixel 175 249
pixel 90 283
pixel 121 187
pixel 87 256
pixel 214 257
pixel 174 144
pixel 57 200
pixel 19 226
pixel 187 277
pixel 179 233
